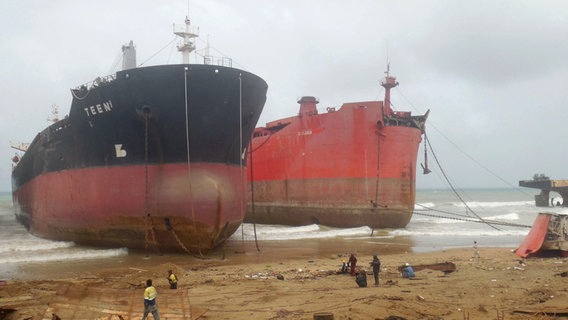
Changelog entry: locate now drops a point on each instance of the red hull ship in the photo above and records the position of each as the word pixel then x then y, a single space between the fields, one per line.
pixel 350 167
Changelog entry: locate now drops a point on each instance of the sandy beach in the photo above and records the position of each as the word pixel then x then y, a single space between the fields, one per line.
pixel 243 283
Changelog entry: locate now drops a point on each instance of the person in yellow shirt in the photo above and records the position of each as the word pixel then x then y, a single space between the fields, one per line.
pixel 172 279
pixel 150 305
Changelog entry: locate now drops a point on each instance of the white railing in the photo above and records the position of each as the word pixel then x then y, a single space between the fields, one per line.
pixel 180 29
pixel 97 82
pixel 218 61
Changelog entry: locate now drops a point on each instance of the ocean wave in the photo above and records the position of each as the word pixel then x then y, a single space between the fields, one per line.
pixel 267 229
pixel 32 244
pixel 558 210
pixel 62 255
pixel 448 219
pixel 460 232
pixel 509 216
pixel 424 205
pixel 492 204
pixel 278 232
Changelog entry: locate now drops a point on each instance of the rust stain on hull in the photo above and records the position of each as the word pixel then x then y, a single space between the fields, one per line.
pixel 343 203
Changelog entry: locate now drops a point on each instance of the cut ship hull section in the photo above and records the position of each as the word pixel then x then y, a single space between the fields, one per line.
pixel 350 167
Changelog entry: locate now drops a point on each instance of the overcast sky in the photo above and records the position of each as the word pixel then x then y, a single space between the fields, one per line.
pixel 493 73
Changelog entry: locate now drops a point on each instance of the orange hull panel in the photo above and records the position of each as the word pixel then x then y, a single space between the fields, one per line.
pixel 344 168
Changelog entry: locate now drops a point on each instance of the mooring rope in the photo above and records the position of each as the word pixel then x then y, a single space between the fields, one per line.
pixel 241 203
pixel 187 146
pixel 376 203
pixel 252 199
pixel 468 209
pixel 243 172
pixel 148 223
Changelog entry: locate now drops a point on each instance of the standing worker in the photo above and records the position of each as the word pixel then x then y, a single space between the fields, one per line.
pixel 475 250
pixel 376 264
pixel 352 263
pixel 150 305
pixel 172 279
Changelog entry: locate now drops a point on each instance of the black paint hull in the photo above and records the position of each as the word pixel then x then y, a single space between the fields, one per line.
pixel 159 135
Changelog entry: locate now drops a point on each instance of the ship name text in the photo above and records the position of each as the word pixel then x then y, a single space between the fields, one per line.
pixel 305 132
pixel 98 108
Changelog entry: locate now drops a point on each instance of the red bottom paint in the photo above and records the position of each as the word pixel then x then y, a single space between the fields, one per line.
pixel 172 207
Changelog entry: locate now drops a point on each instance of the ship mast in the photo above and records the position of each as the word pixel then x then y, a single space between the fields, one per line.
pixel 54 117
pixel 206 55
pixel 388 83
pixel 187 33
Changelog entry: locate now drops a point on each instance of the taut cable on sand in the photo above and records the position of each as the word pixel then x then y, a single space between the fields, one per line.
pixel 187 136
pixel 468 209
pixel 252 202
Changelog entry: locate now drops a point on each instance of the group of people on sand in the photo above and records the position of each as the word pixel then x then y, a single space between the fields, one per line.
pixel 361 275
pixel 150 294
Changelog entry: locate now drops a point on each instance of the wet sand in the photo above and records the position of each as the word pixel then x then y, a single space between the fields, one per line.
pixel 239 282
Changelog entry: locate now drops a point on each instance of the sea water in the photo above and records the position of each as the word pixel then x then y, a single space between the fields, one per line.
pixel 442 219
pixel 17 246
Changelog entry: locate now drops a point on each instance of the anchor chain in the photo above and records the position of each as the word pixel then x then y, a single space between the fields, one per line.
pixel 188 150
pixel 150 236
pixel 375 204
pixel 171 229
pixel 180 243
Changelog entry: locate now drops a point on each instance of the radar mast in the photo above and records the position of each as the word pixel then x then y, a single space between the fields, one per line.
pixel 187 33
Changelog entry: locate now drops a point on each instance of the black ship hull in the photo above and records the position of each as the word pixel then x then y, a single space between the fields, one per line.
pixel 151 157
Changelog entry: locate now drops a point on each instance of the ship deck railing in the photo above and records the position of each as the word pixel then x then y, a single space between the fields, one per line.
pixel 97 82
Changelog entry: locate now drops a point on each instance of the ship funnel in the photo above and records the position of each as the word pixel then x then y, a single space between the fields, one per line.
pixel 128 56
pixel 308 105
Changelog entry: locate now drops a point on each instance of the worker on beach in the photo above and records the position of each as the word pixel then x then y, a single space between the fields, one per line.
pixel 172 279
pixel 376 265
pixel 150 305
pixel 408 272
pixel 352 263
pixel 361 278
pixel 344 266
pixel 475 250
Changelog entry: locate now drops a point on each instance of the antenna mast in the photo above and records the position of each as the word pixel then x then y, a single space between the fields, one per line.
pixel 54 116
pixel 389 83
pixel 207 56
pixel 187 33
